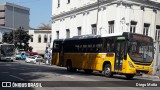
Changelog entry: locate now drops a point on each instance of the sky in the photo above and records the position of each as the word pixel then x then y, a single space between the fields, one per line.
pixel 40 10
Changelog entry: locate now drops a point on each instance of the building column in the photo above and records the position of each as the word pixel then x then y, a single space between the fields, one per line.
pixel 88 23
pixel 104 29
pixel 99 23
pixel 84 23
pixel 120 15
pixel 127 19
pixel 153 25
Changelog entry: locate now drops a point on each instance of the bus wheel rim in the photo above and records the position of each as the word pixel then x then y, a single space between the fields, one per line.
pixel 107 71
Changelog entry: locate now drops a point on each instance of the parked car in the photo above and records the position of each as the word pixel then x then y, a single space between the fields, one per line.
pixel 34 59
pixel 21 56
pixel 38 58
pixel 30 59
pixel 32 53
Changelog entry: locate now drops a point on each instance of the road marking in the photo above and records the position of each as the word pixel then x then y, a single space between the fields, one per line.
pixel 68 76
pixel 16 77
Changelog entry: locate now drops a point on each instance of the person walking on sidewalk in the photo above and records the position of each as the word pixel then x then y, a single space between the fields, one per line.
pixel 158 71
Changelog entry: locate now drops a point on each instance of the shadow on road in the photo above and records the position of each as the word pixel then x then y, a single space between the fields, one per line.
pixel 33 71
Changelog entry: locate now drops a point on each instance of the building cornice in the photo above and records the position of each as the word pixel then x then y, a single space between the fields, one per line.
pixel 93 6
pixel 42 31
pixel 6 27
pixel 83 9
pixel 14 5
pixel 145 3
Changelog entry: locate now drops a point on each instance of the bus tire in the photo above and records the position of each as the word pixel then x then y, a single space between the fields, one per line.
pixel 69 66
pixel 88 71
pixel 107 70
pixel 129 76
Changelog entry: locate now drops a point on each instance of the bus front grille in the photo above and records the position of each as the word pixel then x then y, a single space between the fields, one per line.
pixel 140 63
pixel 142 71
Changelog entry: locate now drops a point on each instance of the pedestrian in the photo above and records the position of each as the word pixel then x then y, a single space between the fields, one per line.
pixel 158 71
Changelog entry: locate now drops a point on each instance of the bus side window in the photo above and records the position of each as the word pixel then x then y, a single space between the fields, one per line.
pixel 108 47
pixel 93 48
pixel 112 47
pixel 89 48
pixel 125 50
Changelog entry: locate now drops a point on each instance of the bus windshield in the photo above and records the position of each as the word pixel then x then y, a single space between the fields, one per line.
pixel 7 50
pixel 141 51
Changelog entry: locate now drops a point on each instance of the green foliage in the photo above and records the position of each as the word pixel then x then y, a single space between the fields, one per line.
pixel 18 37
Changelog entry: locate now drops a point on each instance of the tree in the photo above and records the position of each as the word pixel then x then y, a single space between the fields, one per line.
pixel 30 48
pixel 45 26
pixel 19 37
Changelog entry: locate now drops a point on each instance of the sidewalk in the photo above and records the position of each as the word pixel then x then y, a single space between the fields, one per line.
pixel 150 77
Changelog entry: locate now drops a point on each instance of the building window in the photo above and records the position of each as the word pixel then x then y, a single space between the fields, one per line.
pixel 94 29
pixel 45 38
pixel 146 29
pixel 39 39
pixel 2 24
pixel 58 3
pixel 79 31
pixel 111 26
pixel 50 38
pixel 68 2
pixel 67 33
pixel 2 17
pixel 57 32
pixel 133 26
pixel 31 38
pixel 2 10
pixel 157 34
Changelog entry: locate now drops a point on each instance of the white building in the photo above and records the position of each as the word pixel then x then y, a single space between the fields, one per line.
pixel 40 40
pixel 80 17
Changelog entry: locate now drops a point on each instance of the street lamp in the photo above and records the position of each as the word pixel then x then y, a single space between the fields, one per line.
pixel 48 38
pixel 13 25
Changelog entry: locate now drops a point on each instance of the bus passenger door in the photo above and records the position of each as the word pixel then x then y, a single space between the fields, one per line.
pixel 57 58
pixel 61 60
pixel 119 50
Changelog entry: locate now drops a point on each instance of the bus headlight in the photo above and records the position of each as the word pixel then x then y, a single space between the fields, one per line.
pixel 130 64
pixel 152 66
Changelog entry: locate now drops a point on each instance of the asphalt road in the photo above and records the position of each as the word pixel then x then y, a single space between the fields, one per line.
pixel 58 78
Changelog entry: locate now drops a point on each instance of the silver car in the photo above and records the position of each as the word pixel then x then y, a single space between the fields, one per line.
pixel 38 58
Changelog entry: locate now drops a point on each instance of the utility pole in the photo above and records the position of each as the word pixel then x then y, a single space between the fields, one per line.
pixel 13 25
pixel 156 57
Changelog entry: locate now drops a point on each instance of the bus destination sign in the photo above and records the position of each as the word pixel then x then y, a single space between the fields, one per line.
pixel 141 38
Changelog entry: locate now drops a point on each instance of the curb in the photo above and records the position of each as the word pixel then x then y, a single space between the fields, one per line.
pixel 150 77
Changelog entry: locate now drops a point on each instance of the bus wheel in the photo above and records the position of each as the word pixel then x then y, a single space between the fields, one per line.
pixel 88 71
pixel 69 66
pixel 129 76
pixel 107 70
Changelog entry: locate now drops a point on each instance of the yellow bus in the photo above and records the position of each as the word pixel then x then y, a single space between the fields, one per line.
pixel 126 54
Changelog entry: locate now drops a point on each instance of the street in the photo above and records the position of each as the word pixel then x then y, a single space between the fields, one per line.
pixel 57 77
